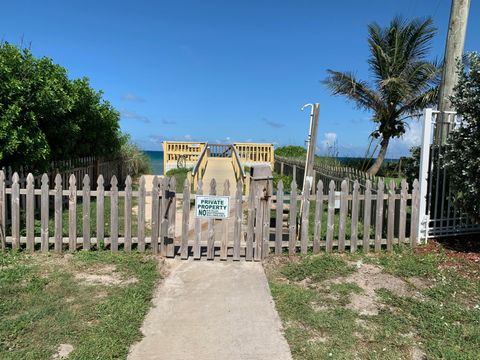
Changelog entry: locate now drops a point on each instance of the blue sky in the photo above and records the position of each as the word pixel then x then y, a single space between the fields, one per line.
pixel 222 70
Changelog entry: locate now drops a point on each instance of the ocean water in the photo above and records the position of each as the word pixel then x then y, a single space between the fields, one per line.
pixel 156 159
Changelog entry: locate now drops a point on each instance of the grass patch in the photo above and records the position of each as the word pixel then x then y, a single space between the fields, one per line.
pixel 44 303
pixel 436 314
pixel 316 268
pixel 180 175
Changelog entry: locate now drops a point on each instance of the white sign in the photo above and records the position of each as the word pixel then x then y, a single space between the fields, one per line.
pixel 212 207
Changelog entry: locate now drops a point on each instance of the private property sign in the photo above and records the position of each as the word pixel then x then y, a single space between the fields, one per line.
pixel 212 207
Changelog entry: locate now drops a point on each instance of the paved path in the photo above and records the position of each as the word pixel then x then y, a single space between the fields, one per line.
pixel 212 310
pixel 219 169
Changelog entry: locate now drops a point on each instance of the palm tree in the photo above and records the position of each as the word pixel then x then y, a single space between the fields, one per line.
pixel 403 80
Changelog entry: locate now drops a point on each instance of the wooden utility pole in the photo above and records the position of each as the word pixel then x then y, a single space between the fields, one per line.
pixel 312 144
pixel 453 52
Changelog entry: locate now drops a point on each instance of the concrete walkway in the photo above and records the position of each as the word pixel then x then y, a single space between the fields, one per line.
pixel 212 310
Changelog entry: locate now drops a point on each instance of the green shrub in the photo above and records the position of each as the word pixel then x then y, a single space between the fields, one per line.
pixel 287 181
pixel 291 151
pixel 463 148
pixel 136 160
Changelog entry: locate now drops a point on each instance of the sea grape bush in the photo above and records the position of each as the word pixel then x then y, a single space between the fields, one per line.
pixel 462 158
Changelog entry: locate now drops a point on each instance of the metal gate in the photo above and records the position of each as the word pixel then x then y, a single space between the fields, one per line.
pixel 439 215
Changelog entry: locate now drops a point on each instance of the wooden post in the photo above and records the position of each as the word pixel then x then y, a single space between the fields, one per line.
pixel 30 220
pixel 343 216
pixel 330 216
pixel 198 227
pixel 355 210
pixel 292 234
pixel 72 214
pixel 128 214
pixel 100 211
pixel 185 219
pixel 44 213
pixel 237 231
pixel 267 206
pixel 155 215
pixel 415 208
pixel 257 255
pixel 367 216
pixel 318 217
pixel 15 212
pixel 58 214
pixel 163 215
pixel 141 214
pixel 379 216
pixel 251 223
pixel 114 214
pixel 305 219
pixel 390 215
pixel 172 209
pixel 224 240
pixel 279 219
pixel 86 212
pixel 211 226
pixel 403 212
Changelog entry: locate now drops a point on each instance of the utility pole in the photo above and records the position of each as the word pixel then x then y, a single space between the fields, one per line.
pixel 311 145
pixel 453 52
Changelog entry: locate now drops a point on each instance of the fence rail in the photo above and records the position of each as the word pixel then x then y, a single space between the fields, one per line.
pixel 258 224
pixel 324 172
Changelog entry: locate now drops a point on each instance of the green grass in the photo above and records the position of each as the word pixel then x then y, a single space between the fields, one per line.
pixel 441 317
pixel 180 175
pixel 43 304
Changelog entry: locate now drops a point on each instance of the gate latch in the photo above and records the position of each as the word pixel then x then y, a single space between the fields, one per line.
pixel 169 194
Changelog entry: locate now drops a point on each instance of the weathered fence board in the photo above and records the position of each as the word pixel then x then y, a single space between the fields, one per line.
pixel 292 222
pixel 198 228
pixel 237 231
pixel 279 219
pixel 127 229
pixel 318 218
pixel 185 220
pixel 386 212
pixel 211 224
pixel 114 214
pixel 141 214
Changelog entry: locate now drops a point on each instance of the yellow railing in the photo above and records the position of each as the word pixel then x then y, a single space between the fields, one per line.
pixel 237 166
pixel 252 153
pixel 199 168
pixel 173 150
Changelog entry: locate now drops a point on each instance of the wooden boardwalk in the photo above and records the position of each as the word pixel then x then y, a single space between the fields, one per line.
pixel 220 169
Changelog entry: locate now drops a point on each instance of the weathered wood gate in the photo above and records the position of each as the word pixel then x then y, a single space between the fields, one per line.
pixel 154 216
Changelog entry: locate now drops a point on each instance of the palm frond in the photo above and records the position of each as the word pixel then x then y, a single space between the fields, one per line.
pixel 344 83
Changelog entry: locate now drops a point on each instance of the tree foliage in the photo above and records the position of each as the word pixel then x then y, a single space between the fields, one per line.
pixel 403 80
pixel 46 116
pixel 463 147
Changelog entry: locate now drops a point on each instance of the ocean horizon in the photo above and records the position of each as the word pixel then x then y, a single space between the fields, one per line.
pixel 156 160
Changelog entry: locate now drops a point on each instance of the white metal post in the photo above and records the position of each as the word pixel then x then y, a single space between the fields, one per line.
pixel 423 174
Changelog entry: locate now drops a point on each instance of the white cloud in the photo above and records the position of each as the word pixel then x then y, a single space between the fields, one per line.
pixel 132 98
pixel 328 141
pixel 412 137
pixel 188 137
pixel 131 115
